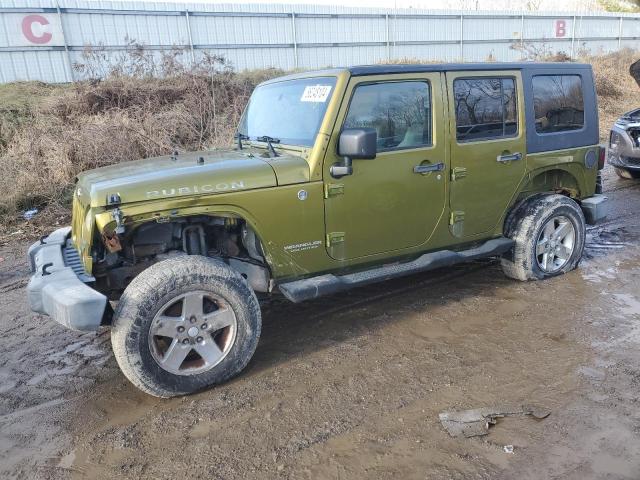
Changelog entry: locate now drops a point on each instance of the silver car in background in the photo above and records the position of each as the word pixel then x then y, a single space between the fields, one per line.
pixel 624 145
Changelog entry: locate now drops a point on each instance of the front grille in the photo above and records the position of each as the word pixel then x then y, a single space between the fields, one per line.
pixel 81 228
pixel 72 259
pixel 78 211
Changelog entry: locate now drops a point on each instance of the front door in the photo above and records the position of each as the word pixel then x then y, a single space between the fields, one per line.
pixel 486 119
pixel 393 202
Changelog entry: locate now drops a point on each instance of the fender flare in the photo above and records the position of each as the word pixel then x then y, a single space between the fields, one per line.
pixel 564 174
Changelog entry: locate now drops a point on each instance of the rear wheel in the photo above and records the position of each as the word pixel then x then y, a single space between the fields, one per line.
pixel 626 174
pixel 185 324
pixel 549 233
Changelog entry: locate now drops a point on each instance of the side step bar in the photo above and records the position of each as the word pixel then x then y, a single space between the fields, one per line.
pixel 314 287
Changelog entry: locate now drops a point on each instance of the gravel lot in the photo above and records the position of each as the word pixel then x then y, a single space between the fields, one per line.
pixel 350 386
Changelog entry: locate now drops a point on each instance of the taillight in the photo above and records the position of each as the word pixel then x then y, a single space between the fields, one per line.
pixel 602 157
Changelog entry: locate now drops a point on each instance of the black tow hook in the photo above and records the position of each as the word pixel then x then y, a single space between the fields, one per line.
pixel 44 268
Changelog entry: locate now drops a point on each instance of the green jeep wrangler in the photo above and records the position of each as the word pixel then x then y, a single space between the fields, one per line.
pixel 339 178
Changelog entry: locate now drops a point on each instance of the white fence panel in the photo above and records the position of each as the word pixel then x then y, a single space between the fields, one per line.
pixel 232 30
pixel 42 39
pixel 491 28
pixel 425 29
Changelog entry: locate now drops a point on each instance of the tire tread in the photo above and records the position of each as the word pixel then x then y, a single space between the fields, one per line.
pixel 142 295
pixel 523 227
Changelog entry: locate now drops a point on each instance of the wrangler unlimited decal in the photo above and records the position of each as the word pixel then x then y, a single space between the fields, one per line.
pixel 299 247
pixel 207 188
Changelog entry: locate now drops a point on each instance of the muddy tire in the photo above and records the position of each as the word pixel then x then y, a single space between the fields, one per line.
pixel 185 324
pixel 549 233
pixel 626 174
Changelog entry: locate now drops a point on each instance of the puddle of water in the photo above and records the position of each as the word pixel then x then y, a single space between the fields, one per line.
pixel 631 305
pixel 93 350
pixel 599 275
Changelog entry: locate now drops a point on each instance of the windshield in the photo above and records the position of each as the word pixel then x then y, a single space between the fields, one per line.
pixel 290 111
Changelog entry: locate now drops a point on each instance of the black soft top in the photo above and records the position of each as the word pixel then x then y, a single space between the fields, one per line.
pixel 382 69
pixel 536 142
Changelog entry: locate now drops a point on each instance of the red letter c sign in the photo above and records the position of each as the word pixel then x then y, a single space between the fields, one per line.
pixel 36 29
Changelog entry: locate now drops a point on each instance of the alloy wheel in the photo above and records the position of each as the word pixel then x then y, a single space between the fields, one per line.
pixel 192 333
pixel 555 244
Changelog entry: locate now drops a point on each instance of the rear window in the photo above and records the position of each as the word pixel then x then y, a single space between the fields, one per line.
pixel 558 103
pixel 485 108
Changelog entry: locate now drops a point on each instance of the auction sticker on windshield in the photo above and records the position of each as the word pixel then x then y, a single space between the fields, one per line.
pixel 315 93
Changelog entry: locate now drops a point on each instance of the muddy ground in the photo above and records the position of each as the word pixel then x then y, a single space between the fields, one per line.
pixel 351 386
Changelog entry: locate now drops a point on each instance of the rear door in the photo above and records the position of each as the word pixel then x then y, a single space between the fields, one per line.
pixel 394 201
pixel 486 125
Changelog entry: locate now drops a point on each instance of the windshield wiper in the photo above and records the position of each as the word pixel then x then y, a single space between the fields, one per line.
pixel 239 137
pixel 270 141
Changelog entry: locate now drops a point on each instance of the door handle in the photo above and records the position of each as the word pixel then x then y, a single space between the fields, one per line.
pixel 509 157
pixel 428 168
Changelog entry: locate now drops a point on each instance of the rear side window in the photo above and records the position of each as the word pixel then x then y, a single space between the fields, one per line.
pixel 558 103
pixel 400 112
pixel 485 108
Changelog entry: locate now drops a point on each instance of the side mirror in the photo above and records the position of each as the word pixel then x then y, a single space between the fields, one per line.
pixel 354 144
pixel 358 143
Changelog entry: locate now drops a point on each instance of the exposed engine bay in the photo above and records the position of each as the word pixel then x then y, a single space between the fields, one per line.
pixel 119 257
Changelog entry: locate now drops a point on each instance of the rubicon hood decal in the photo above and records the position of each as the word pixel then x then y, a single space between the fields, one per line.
pixel 196 189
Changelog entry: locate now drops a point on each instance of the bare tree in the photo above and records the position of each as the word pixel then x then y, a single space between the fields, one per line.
pixel 533 5
pixel 620 5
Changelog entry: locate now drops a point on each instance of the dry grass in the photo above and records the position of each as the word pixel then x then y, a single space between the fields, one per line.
pixel 125 117
pixel 50 134
pixel 617 90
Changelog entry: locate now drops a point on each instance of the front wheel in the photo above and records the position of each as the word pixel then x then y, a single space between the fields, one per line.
pixel 549 233
pixel 185 324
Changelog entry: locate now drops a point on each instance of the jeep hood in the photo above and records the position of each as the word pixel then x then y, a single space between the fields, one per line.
pixel 190 174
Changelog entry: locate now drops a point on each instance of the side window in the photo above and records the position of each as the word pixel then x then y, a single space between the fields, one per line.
pixel 558 103
pixel 485 108
pixel 399 111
